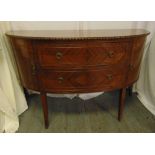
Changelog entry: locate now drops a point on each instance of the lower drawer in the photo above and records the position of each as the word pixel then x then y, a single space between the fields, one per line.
pixel 82 80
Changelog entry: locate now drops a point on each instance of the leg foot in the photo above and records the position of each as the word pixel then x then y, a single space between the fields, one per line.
pixel 46 124
pixel 45 108
pixel 121 103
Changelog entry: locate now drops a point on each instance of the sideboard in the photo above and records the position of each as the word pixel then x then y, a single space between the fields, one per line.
pixel 78 61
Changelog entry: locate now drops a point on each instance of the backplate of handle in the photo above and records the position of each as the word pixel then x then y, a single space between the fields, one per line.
pixel 60 79
pixel 59 55
pixel 110 54
pixel 109 77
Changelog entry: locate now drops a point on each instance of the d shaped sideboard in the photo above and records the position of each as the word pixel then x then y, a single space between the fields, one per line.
pixel 78 61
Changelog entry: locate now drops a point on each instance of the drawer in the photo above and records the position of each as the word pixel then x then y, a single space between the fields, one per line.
pixel 62 56
pixel 107 53
pixel 82 80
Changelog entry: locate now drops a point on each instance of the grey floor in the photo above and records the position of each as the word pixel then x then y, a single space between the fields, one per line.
pixel 95 115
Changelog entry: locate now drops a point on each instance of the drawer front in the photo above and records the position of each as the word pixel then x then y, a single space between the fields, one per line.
pixel 107 53
pixel 61 56
pixel 81 81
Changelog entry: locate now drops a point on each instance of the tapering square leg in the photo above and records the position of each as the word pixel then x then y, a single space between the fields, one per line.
pixel 121 103
pixel 45 108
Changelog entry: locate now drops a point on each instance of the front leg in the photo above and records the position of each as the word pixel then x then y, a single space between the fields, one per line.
pixel 45 108
pixel 121 103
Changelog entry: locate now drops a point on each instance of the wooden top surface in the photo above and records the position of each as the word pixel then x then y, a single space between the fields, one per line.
pixel 78 34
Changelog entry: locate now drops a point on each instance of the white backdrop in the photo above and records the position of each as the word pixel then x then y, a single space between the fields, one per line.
pixel 12 100
pixel 145 85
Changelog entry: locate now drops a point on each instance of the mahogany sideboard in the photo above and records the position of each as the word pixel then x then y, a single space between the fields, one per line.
pixel 78 61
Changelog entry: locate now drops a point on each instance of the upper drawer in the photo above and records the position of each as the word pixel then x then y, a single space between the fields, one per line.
pixel 62 56
pixel 106 53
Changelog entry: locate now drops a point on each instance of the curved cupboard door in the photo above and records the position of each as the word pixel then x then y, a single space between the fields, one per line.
pixel 23 51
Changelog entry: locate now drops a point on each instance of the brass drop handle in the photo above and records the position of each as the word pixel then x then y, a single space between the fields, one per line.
pixel 109 77
pixel 60 79
pixel 110 54
pixel 59 55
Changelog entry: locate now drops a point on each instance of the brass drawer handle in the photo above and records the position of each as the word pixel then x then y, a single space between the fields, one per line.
pixel 59 55
pixel 110 54
pixel 60 79
pixel 109 77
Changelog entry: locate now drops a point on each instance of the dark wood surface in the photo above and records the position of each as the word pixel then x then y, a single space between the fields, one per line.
pixel 78 34
pixel 78 61
pixel 83 81
pixel 45 108
pixel 81 54
pixel 121 103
